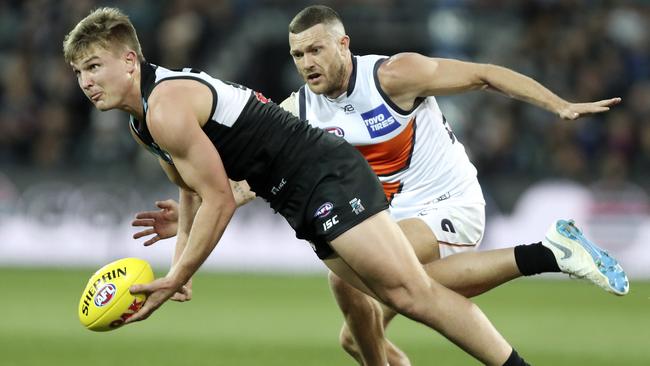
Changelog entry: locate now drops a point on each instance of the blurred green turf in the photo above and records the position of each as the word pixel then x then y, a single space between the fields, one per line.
pixel 292 320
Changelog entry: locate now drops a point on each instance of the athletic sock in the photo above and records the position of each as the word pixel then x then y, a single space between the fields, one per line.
pixel 535 258
pixel 515 360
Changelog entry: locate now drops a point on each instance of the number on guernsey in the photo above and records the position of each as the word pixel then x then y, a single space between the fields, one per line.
pixel 449 131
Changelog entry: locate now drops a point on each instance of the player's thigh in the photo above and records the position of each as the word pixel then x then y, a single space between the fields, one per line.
pixel 379 253
pixel 453 228
pixel 422 239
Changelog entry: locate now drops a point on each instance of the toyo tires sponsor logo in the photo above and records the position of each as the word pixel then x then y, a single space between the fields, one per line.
pixel 379 121
pixel 105 295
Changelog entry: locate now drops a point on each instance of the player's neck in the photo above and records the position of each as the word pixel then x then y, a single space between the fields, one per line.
pixel 132 103
pixel 345 82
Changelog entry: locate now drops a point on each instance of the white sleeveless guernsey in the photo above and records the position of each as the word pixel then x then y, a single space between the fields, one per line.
pixel 416 156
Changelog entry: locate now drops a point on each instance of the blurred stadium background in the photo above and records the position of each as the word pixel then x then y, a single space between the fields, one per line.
pixel 71 178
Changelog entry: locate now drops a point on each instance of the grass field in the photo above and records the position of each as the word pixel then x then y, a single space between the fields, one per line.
pixel 292 320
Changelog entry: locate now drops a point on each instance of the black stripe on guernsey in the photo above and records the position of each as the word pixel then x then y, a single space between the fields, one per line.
pixel 301 103
pixel 147 84
pixel 149 144
pixel 145 137
pixel 147 79
pixel 215 97
pixel 392 195
pixel 353 76
pixel 386 98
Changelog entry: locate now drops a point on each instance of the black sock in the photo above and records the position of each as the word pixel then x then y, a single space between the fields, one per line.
pixel 515 360
pixel 535 258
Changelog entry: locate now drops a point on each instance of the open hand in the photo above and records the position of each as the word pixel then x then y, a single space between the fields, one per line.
pixel 576 110
pixel 163 223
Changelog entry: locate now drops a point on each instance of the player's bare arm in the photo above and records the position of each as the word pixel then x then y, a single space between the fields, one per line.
pixel 176 126
pixel 190 202
pixel 289 104
pixel 407 76
pixel 163 223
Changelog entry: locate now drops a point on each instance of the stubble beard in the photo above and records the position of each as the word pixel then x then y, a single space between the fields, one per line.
pixel 337 82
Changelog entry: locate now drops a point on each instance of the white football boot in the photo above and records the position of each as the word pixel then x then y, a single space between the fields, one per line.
pixel 579 257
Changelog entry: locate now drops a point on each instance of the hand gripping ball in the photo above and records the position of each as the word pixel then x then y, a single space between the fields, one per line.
pixel 106 301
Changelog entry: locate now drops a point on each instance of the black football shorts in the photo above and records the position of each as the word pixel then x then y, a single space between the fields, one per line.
pixel 330 196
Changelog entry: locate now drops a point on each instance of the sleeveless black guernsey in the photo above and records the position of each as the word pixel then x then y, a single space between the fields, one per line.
pixel 257 140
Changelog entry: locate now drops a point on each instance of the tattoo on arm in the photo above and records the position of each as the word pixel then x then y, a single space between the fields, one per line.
pixel 241 192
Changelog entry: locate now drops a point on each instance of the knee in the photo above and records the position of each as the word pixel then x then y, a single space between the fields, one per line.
pixel 402 302
pixel 409 301
pixel 336 283
pixel 346 296
pixel 346 340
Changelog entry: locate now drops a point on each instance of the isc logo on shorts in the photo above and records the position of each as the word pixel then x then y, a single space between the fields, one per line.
pixel 330 223
pixel 379 121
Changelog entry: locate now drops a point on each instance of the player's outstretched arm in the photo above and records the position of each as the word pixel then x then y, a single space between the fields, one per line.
pixel 175 111
pixel 576 110
pixel 163 223
pixel 407 76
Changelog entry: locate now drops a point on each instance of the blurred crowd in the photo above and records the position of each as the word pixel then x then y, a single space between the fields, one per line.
pixel 582 50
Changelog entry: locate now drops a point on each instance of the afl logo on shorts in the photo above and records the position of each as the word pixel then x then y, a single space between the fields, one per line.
pixel 324 210
pixel 337 131
pixel 105 295
pixel 261 97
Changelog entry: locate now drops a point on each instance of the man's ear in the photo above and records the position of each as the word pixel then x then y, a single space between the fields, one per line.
pixel 131 60
pixel 344 42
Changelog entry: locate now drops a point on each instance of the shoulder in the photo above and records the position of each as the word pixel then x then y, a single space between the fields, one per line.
pixel 179 97
pixel 404 66
pixel 183 88
pixel 175 108
pixel 403 75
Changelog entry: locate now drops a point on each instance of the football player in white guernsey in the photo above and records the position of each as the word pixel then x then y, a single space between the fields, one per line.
pixel 385 107
pixel 204 131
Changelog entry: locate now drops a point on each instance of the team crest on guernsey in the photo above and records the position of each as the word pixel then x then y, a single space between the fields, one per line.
pixel 356 205
pixel 379 121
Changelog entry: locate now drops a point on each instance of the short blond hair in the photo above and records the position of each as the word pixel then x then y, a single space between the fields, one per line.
pixel 108 28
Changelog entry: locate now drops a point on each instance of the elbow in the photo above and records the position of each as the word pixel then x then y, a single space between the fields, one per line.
pixel 228 205
pixel 484 75
pixel 221 205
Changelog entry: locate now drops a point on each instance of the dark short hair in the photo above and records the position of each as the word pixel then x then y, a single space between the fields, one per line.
pixel 311 16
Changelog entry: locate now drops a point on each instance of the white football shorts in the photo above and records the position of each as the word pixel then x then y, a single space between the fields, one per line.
pixel 457 222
